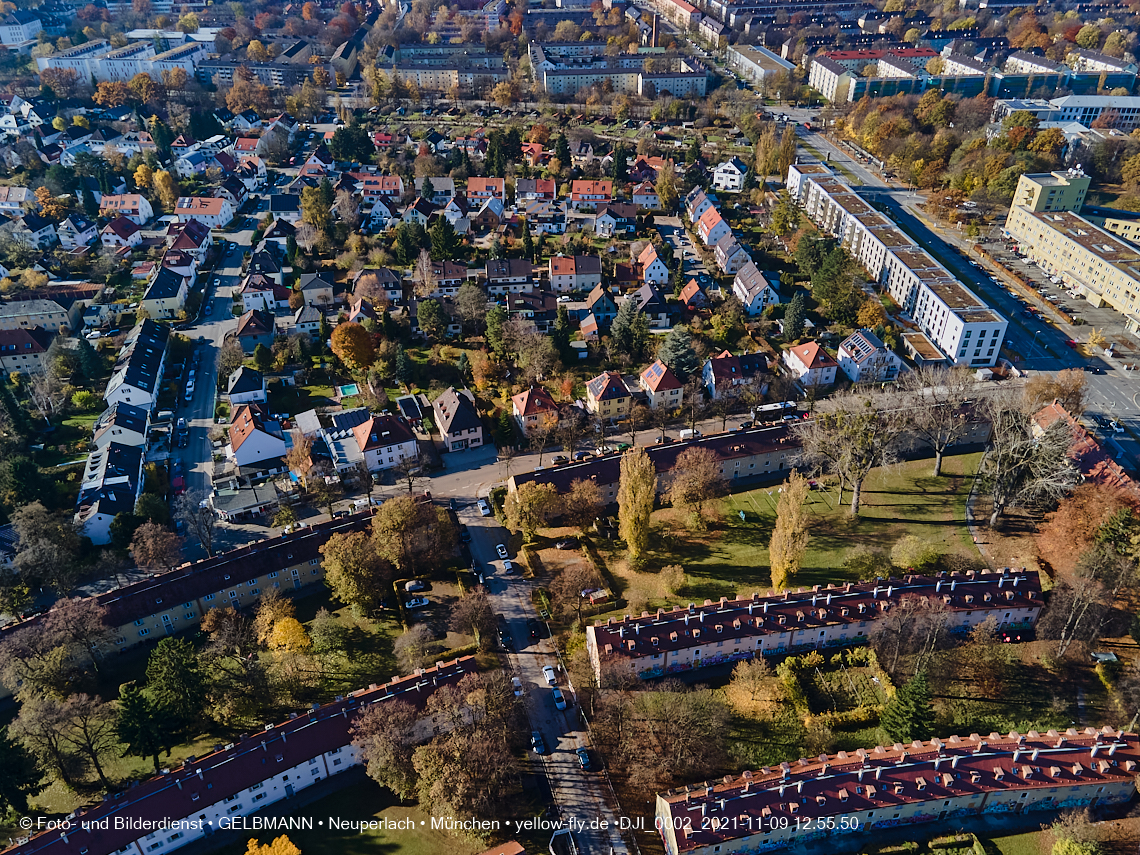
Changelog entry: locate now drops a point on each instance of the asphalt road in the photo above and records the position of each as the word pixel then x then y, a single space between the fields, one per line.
pixel 578 794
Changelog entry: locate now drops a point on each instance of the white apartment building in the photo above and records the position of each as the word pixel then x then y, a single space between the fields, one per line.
pixel 82 59
pixel 18 27
pixel 125 62
pixel 954 319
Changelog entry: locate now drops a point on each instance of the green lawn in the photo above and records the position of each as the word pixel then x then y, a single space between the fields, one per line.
pixel 363 802
pixel 733 556
pixel 1019 844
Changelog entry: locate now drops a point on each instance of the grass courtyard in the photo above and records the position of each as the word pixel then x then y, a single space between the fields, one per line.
pixel 732 556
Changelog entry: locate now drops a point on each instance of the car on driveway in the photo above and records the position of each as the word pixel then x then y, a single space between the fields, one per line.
pixel 532 628
pixel 501 549
pixel 569 543
pixel 549 675
pixel 415 585
pixel 559 699
pixel 417 603
pixel 464 533
pixel 484 508
pixel 516 683
pixel 536 742
pixel 584 759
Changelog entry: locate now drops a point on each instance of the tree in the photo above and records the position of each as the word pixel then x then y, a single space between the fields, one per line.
pixel 1066 387
pixel 1089 36
pixel 794 317
pixel 355 573
pixel 41 727
pixel 175 684
pixel 384 735
pixel 505 94
pixel 315 210
pixel 636 493
pixel 50 206
pixel 530 507
pixel 850 434
pixel 327 633
pixel 146 90
pixel 473 614
pixel 582 504
pixel 352 344
pixel 629 332
pixel 753 691
pixel 230 359
pixel 256 51
pixel 156 547
pixel 445 241
pixel 790 533
pixel 666 188
pixel 696 479
pixel 471 306
pixel 299 459
pixel 914 554
pixel 289 635
pixel 409 533
pixel 200 519
pixel 20 776
pixel 90 729
pixel 188 23
pixel 677 352
pixel 280 846
pixel 432 319
pixel 166 188
pixel 1072 529
pixel 1022 467
pixel 933 397
pixel 415 648
pixel 786 215
pixel 496 318
pixel 351 142
pixel 141 727
pixel 909 715
pixel 347 209
pixel 48 549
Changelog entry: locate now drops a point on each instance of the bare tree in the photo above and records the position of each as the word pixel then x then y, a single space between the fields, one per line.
pixel 659 419
pixel 412 471
pixel 694 400
pixel 850 435
pixel 573 425
pixel 637 418
pixel 414 648
pixel 723 406
pixel 937 416
pixel 347 209
pixel 424 274
pixel 538 437
pixel 1024 466
pixel 193 510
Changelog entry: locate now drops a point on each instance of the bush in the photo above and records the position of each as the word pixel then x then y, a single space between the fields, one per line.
pixel 866 563
pixel 913 553
pixel 85 401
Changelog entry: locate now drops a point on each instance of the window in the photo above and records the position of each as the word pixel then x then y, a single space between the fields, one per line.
pixel 166 618
pixel 208 597
pixel 251 583
pixel 144 632
pixel 138 623
pixel 255 591
pixel 189 615
pixel 314 562
pixel 273 575
pixel 187 605
pixel 233 595
pixel 337 762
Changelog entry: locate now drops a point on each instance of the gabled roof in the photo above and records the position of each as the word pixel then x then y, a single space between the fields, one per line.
pixel 508 268
pixel 648 255
pixel 122 228
pixel 575 265
pixel 726 366
pixel 589 187
pixel 659 378
pixel 600 292
pixel 24 340
pixel 191 234
pixel 621 211
pixel 166 284
pixel 813 356
pixel 249 419
pixel 649 299
pixel 381 432
pixel 455 411
pixel 862 344
pixel 311 281
pixel 256 322
pixel 608 386
pixel 534 401
pixel 478 186
pixel 245 379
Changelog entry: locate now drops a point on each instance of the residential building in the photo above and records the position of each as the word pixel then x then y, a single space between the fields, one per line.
pixel 692 296
pixel 255 327
pixel 376 281
pixel 18 27
pixel 535 188
pixel 608 397
pixel 254 438
pixel 247 386
pixel 543 217
pixel 811 364
pixel 509 275
pixel 76 231
pixel 685 638
pixel 22 349
pixel 458 420
pixel 697 202
pixel 729 176
pixel 590 193
pixel 725 372
pixel 644 196
pixel 134 207
pixel 317 288
pixel 901 785
pixel 189 236
pixel 711 227
pixel 32 230
pixel 534 410
pixel 13 199
pixel 123 424
pixel 755 289
pixel 441 189
pixel 385 442
pixel 121 233
pixel 29 314
pixel 756 63
pixel 651 303
pixel 285 207
pixel 166 295
pixel 653 269
pixel 1052 191
pixel 479 190
pixel 661 387
pixel 616 218
pixel 216 212
pixel 360 310
pixel 865 359
pixel 307 321
pixel 950 316
pixel 138 367
pixel 730 255
pixel 112 483
pixel 574 273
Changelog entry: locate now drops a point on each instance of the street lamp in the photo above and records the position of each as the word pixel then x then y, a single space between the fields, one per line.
pixel 1035 334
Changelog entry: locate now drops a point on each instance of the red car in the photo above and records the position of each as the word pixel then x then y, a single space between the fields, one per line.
pixel 1071 343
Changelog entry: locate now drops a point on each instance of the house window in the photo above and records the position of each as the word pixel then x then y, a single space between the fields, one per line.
pixel 144 632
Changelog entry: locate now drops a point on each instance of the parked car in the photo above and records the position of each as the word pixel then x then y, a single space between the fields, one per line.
pixel 1071 343
pixel 504 640
pixel 501 549
pixel 559 699
pixel 516 683
pixel 584 758
pixel 581 455
pixel 484 508
pixel 464 533
pixel 559 459
pixel 549 675
pixel 536 742
pixel 415 585
pixel 417 603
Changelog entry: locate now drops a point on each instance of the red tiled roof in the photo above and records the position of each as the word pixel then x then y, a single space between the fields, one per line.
pixel 380 432
pixel 813 356
pixel 1093 462
pixel 534 401
pixel 658 378
pixel 246 420
pixel 608 386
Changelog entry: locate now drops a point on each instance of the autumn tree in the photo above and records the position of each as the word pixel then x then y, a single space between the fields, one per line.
pixel 1066 387
pixel 52 207
pixel 352 344
pixel 473 615
pixel 790 533
pixel 155 547
pixel 569 587
pixel 280 846
pixel 354 572
pixel 754 690
pixel 932 397
pixel 582 503
pixel 531 506
pixel 165 188
pixel 384 734
pixel 637 490
pixel 696 479
pixel 299 458
pixel 409 533
pixel 41 727
pixel 289 635
pixel 112 93
pixel 1071 529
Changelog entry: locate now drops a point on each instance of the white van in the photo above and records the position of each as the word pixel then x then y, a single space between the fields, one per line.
pixel 689 434
pixel 360 504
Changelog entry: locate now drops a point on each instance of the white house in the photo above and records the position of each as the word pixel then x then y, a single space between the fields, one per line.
pixel 75 231
pixel 112 482
pixel 254 438
pixel 711 227
pixel 134 207
pixel 730 255
pixel 385 442
pixel 754 289
pixel 213 211
pixel 247 386
pixel 865 359
pixel 574 272
pixel 811 364
pixel 123 424
pixel 661 386
pixel 729 176
pixel 653 269
pixel 138 368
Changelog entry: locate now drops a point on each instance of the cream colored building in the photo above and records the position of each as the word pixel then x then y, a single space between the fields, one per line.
pixel 1052 191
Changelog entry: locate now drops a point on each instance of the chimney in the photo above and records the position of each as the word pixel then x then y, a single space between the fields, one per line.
pixel 1016 579
pixel 890 590
pixel 1112 749
pixel 878 772
pixel 1001 579
pixel 1094 750
pixel 686 618
pixel 765 607
pixel 1033 756
pixel 954 762
pixel 829 599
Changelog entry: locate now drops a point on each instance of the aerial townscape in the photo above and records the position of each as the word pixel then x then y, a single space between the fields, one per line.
pixel 585 427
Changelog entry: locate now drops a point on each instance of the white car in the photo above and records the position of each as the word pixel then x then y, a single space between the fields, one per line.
pixel 559 699
pixel 501 549
pixel 551 677
pixel 417 603
pixel 518 686
pixel 484 508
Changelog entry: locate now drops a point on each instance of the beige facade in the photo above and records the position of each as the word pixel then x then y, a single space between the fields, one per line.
pixel 1052 191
